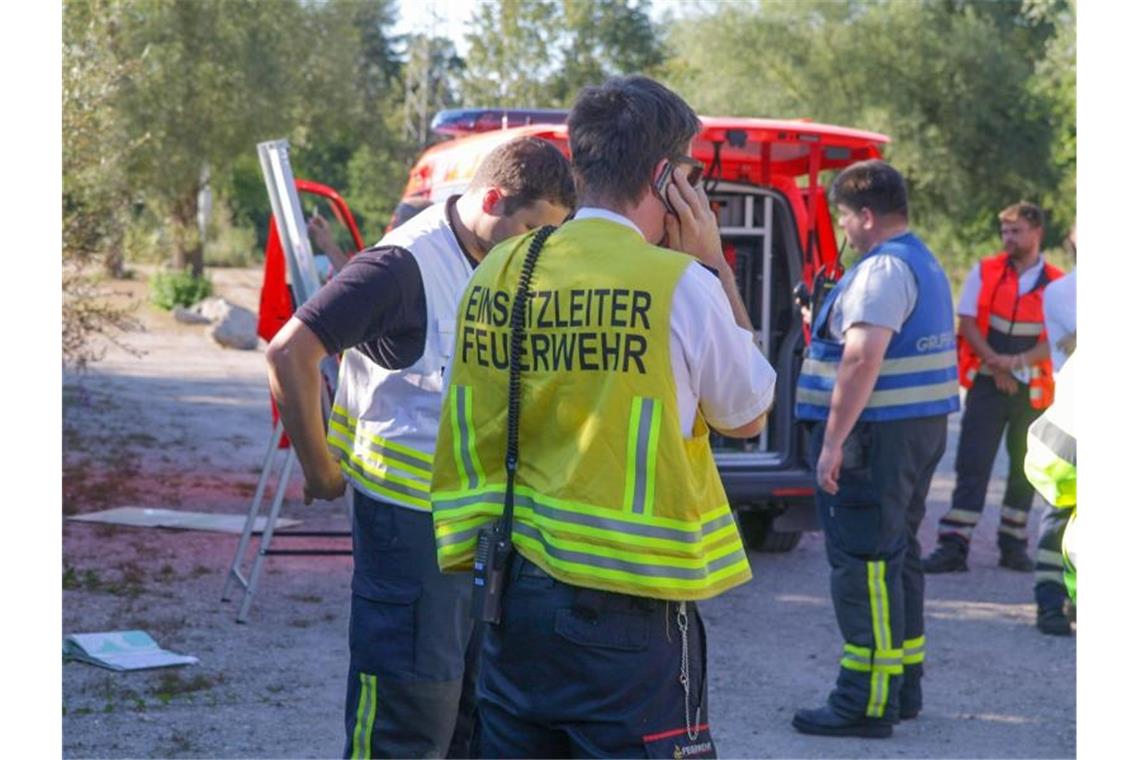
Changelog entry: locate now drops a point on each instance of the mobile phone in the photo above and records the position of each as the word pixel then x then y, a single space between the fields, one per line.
pixel 693 175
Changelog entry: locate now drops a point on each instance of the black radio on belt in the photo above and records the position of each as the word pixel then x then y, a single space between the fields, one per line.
pixel 493 546
pixel 492 549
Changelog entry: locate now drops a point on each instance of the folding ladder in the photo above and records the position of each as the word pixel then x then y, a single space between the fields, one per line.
pixel 305 282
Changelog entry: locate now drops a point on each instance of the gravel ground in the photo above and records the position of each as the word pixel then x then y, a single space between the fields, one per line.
pixel 185 427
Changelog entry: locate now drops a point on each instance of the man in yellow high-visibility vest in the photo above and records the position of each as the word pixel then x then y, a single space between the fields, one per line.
pixel 627 353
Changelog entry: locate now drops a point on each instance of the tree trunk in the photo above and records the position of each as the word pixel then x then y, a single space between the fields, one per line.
pixel 187 241
pixel 113 259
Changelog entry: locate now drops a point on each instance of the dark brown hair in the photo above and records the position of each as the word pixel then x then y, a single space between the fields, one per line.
pixel 527 169
pixel 620 130
pixel 873 184
pixel 1030 212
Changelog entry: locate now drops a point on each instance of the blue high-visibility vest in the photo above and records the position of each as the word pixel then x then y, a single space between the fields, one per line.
pixel 919 376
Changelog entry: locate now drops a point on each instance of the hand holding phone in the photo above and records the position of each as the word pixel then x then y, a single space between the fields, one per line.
pixel 691 225
pixel 693 170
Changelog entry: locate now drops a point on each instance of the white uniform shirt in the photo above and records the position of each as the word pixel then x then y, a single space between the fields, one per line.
pixel 1060 304
pixel 972 287
pixel 716 364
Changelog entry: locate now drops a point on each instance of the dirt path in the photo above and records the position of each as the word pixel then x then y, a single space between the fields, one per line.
pixel 186 426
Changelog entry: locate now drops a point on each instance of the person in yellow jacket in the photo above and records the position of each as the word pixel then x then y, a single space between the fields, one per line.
pixel 1051 466
pixel 625 354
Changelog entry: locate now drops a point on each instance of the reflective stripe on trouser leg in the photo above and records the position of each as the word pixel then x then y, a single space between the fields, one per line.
pixel 1014 522
pixel 914 651
pixel 1049 565
pixel 959 523
pixel 365 717
pixel 885 660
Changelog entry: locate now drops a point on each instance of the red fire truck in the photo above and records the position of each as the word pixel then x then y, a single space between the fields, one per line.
pixel 763 178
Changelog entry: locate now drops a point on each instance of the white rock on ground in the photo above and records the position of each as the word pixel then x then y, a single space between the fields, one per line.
pixel 189 316
pixel 235 327
pixel 213 309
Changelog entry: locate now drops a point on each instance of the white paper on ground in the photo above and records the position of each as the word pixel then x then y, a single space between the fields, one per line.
pixel 147 517
pixel 122 650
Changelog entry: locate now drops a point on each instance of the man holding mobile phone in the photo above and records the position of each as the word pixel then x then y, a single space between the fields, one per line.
pixel 621 523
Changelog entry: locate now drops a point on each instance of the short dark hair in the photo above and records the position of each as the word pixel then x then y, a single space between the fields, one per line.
pixel 527 169
pixel 1030 212
pixel 620 130
pixel 872 184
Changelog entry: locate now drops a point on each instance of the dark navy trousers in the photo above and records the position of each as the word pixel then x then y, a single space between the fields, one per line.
pixel 574 672
pixel 413 647
pixel 877 585
pixel 987 414
pixel 1049 567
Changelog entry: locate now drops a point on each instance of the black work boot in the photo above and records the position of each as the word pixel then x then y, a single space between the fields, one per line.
pixel 1016 558
pixel 1053 622
pixel 824 721
pixel 948 557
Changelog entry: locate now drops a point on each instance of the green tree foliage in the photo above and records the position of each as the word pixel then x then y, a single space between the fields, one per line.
pixel 539 53
pixel 214 77
pixel 431 73
pixel 96 199
pixel 966 90
pixel 345 106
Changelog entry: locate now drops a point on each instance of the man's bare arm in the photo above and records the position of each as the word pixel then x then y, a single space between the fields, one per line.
pixel 294 358
pixel 864 347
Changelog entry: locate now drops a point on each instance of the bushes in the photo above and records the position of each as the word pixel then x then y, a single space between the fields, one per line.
pixel 170 289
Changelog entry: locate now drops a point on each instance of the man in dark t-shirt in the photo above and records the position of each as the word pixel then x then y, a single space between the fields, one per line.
pixel 391 311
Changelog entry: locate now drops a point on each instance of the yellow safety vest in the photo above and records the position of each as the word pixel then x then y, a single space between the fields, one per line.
pixel 609 493
pixel 1051 461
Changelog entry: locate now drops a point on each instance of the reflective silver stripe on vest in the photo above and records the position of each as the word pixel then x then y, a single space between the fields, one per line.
pixel 903 366
pixel 897 397
pixel 410 484
pixel 1063 445
pixel 526 501
pixel 385 454
pixel 368 478
pixel 1020 329
pixel 642 456
pixel 459 536
pixel 628 566
pixel 462 402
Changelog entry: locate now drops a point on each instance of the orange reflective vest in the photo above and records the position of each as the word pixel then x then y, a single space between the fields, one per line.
pixel 1011 323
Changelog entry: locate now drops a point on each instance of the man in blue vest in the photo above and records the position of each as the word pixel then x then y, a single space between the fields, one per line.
pixel 878 380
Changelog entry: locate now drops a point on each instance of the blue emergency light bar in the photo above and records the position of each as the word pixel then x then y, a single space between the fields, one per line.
pixel 456 122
